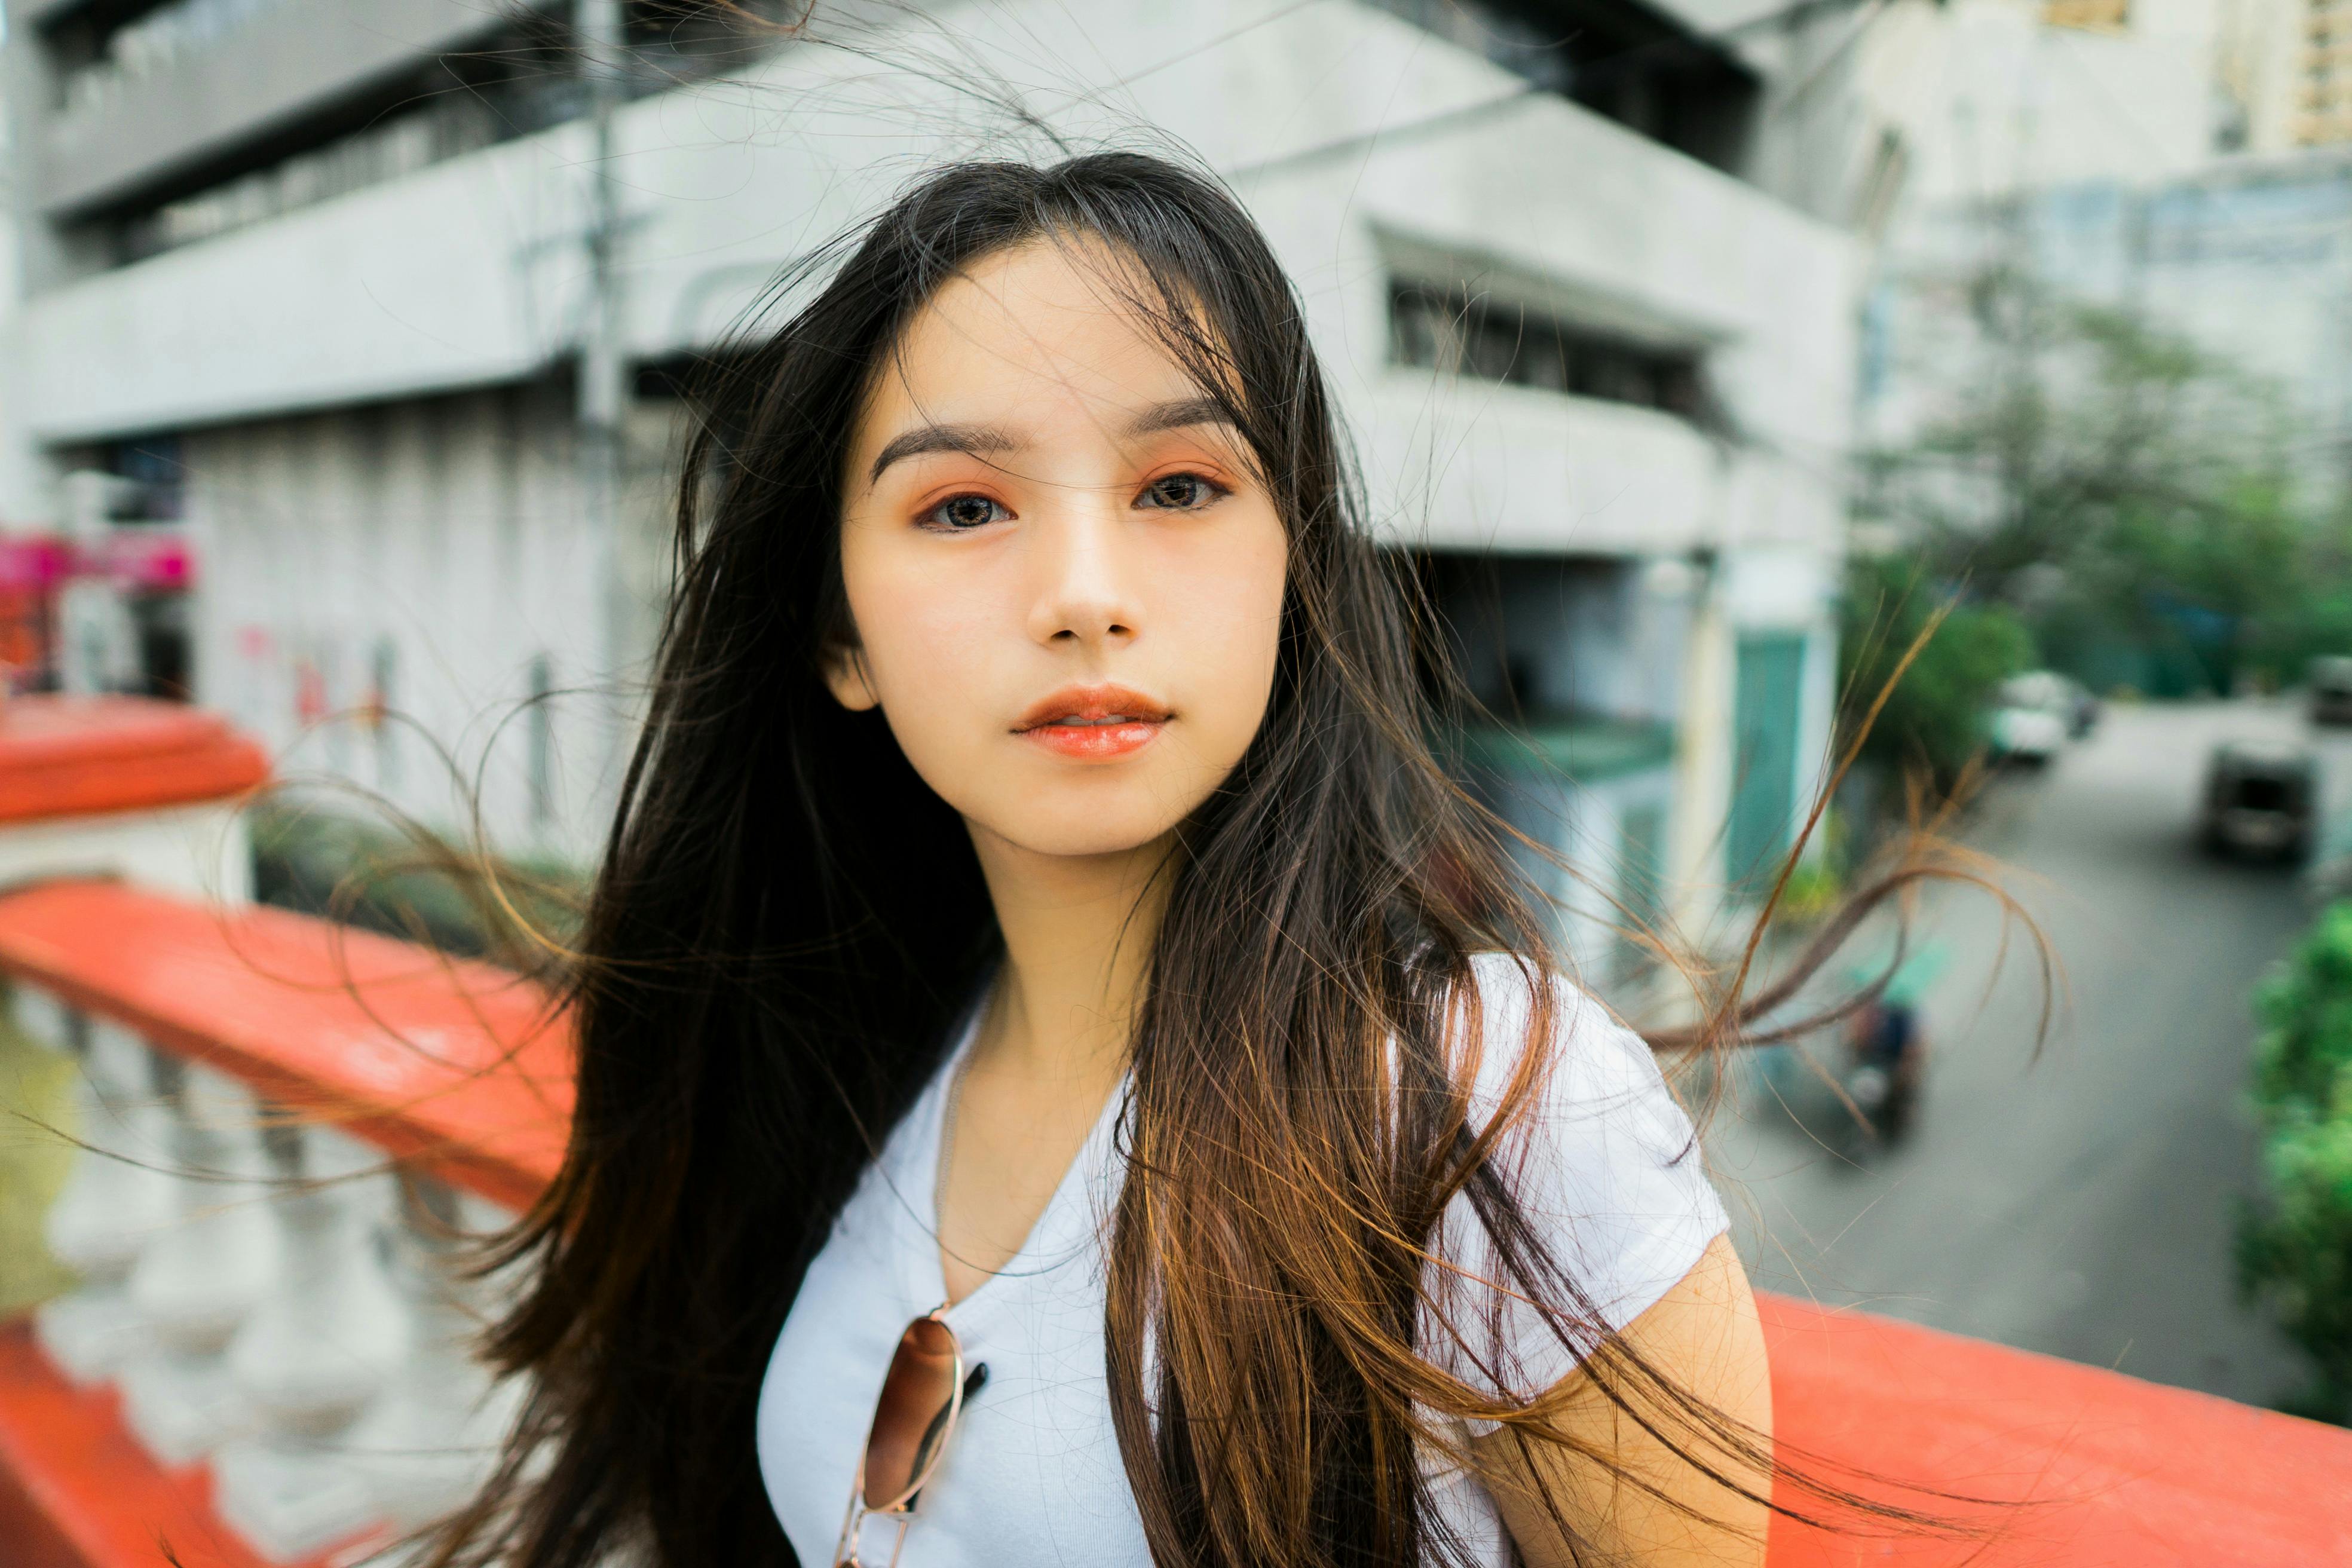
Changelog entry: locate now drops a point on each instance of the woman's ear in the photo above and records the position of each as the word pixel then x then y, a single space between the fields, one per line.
pixel 846 678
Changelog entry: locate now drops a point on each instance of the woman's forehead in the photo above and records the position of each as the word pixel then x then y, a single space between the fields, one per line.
pixel 1044 330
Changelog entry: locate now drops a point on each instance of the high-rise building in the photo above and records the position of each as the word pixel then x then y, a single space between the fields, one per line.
pixel 2323 88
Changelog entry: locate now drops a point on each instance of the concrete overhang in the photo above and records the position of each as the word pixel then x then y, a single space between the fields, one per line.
pixel 170 125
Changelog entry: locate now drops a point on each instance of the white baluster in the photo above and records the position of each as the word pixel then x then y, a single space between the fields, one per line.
pixel 199 1279
pixel 44 1018
pixel 431 1442
pixel 316 1352
pixel 40 1093
pixel 116 1199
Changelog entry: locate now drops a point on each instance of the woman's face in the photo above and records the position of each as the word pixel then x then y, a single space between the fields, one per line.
pixel 1066 577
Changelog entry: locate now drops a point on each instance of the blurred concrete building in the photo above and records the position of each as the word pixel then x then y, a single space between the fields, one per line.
pixel 2286 71
pixel 353 296
pixel 2135 154
pixel 2247 258
pixel 1986 96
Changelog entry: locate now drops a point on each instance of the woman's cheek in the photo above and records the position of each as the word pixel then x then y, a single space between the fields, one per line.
pixel 1242 609
pixel 928 662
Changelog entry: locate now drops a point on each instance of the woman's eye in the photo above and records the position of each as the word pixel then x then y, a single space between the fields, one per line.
pixel 1180 492
pixel 960 513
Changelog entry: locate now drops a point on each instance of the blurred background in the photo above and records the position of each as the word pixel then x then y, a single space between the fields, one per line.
pixel 1708 359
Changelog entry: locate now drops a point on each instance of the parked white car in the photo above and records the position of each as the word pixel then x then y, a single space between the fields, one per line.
pixel 2034 717
pixel 2330 681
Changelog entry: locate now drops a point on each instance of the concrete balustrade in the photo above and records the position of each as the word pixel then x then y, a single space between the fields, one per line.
pixel 328 1337
pixel 250 1290
pixel 357 1398
pixel 126 786
pixel 205 1272
pixel 430 1442
pixel 117 1197
pixel 275 1295
pixel 326 1342
pixel 290 1128
pixel 257 1352
pixel 149 791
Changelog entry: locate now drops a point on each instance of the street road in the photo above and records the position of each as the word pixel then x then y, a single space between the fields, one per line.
pixel 2079 1202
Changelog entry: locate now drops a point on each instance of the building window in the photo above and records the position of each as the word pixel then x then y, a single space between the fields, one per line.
pixel 521 75
pixel 150 41
pixel 157 490
pixel 2088 15
pixel 433 130
pixel 1630 61
pixel 1457 333
pixel 456 104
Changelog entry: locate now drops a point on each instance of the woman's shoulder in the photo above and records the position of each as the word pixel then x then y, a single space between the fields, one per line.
pixel 1520 1028
pixel 1600 1160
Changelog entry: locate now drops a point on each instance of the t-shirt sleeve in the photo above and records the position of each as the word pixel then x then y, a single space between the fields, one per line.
pixel 1607 1172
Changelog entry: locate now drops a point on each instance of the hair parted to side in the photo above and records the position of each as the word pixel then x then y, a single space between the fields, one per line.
pixel 786 920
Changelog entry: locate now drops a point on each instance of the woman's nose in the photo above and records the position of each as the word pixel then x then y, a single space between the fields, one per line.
pixel 1087 584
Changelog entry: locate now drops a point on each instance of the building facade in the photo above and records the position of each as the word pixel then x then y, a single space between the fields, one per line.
pixel 2159 157
pixel 2247 259
pixel 329 292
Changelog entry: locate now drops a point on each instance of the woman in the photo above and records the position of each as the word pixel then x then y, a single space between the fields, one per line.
pixel 1052 1039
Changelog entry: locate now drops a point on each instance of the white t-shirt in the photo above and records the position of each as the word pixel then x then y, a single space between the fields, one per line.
pixel 1608 1168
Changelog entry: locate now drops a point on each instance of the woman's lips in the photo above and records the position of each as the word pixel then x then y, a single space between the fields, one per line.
pixel 1094 723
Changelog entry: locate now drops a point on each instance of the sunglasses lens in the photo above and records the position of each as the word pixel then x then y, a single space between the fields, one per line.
pixel 910 1422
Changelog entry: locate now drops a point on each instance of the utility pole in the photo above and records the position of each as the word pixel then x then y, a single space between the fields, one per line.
pixel 1704 743
pixel 600 31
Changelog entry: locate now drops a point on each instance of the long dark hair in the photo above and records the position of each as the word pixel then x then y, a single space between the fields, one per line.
pixel 786 920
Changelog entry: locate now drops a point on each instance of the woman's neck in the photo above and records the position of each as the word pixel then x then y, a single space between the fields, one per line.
pixel 1077 933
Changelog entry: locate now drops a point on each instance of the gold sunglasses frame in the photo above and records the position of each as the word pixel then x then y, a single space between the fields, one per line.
pixel 931 1447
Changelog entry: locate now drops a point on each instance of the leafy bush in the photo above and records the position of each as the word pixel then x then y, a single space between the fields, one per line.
pixel 1935 717
pixel 410 884
pixel 2294 1252
pixel 2319 623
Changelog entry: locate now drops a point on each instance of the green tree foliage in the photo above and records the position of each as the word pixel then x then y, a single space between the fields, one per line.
pixel 2318 620
pixel 2126 492
pixel 2295 1251
pixel 1933 720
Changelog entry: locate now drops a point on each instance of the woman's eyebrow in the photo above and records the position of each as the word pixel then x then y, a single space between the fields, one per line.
pixel 972 438
pixel 977 440
pixel 1176 414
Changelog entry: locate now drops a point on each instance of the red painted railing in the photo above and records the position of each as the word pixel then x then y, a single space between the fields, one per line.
pixel 454 1064
pixel 79 756
pixel 457 1066
pixel 78 1491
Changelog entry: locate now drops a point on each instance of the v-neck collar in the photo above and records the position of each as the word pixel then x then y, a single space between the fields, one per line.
pixel 1062 1229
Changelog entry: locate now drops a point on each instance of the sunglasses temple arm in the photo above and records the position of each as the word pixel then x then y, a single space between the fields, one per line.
pixel 844 1550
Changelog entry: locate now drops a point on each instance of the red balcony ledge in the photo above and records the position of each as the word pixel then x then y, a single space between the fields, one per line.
pixel 83 756
pixel 461 1066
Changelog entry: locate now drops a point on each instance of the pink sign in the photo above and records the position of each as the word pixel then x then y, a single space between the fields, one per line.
pixel 144 559
pixel 33 562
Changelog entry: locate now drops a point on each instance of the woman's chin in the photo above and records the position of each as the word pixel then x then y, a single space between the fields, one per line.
pixel 1082 831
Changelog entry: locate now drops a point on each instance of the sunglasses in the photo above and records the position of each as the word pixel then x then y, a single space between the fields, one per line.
pixel 922 1397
